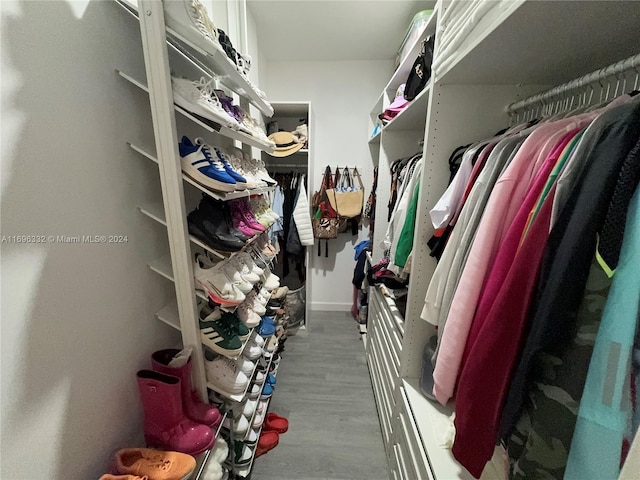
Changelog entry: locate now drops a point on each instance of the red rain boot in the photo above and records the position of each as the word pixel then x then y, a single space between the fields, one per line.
pixel 197 411
pixel 165 424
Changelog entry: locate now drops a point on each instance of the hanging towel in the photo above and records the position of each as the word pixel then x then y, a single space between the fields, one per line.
pixel 302 217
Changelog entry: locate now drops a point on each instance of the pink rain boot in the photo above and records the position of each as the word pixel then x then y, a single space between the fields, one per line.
pixel 165 425
pixel 239 222
pixel 248 216
pixel 195 410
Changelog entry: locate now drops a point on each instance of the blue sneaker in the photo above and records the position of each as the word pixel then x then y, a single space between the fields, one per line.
pixel 266 329
pixel 269 320
pixel 267 391
pixel 241 182
pixel 271 379
pixel 197 163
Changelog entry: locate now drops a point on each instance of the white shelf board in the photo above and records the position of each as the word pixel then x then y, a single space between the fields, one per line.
pixel 414 115
pixel 506 48
pixel 376 138
pixel 290 109
pixel 215 63
pixel 402 72
pixel 169 315
pixel 221 129
pixel 217 195
pixel 431 418
pixel 155 212
pixel 162 266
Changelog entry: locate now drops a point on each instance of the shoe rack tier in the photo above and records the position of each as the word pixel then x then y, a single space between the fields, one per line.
pixel 214 65
pixel 208 125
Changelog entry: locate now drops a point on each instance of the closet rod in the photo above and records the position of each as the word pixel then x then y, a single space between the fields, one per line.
pixel 631 63
pixel 287 165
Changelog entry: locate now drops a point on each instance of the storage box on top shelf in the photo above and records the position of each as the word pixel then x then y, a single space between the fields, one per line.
pixel 417 27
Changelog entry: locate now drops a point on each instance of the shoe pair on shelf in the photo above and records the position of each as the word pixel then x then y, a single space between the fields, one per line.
pixel 226 375
pixel 173 417
pixel 209 167
pixel 151 464
pixel 228 282
pixel 221 331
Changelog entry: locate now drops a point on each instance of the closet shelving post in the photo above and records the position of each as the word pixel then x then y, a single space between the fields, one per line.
pixel 288 115
pixel 502 60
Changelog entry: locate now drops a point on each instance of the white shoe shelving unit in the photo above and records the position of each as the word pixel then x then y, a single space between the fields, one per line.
pixel 519 48
pixel 159 46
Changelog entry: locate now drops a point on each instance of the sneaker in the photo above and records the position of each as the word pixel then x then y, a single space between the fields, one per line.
pixel 258 420
pixel 271 281
pixel 248 260
pixel 249 407
pixel 259 206
pixel 279 293
pixel 190 19
pixel 259 378
pixel 252 438
pixel 266 294
pixel 245 365
pixel 266 329
pixel 244 270
pixel 239 222
pixel 242 284
pixel 255 392
pixel 267 391
pixel 254 303
pixel 236 163
pixel 242 206
pixel 240 425
pixel 252 352
pixel 224 374
pixel 241 182
pixel 217 334
pixel 236 326
pixel 261 172
pixel 216 284
pixel 258 340
pixel 144 462
pixel 247 316
pixel 198 97
pixel 198 164
pixel 271 379
pixel 242 454
pixel 209 224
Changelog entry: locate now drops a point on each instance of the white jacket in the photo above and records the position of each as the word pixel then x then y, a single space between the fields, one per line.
pixel 302 217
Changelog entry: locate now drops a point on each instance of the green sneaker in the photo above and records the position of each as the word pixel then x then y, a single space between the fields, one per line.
pixel 236 325
pixel 218 334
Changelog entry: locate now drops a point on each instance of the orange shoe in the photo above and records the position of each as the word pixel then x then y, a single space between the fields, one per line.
pixel 108 476
pixel 155 464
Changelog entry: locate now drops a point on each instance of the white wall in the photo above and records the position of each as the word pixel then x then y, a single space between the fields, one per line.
pixel 341 95
pixel 77 320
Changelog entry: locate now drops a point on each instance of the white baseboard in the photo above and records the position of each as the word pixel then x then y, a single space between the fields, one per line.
pixel 330 306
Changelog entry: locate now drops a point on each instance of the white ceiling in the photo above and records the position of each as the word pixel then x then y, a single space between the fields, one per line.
pixel 333 29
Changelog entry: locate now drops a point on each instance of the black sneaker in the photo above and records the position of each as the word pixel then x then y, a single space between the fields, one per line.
pixel 208 204
pixel 211 231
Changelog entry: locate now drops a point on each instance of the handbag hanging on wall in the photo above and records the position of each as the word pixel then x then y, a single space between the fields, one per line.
pixel 421 71
pixel 347 199
pixel 325 218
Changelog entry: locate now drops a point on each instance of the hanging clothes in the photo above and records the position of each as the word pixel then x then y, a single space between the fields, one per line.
pixel 302 215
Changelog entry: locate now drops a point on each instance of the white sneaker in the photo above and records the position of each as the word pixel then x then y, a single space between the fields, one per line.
pixel 230 269
pixel 252 438
pixel 266 294
pixel 262 405
pixel 190 19
pixel 255 392
pixel 245 365
pixel 262 173
pixel 271 281
pixel 245 458
pixel 253 302
pixel 252 352
pixel 247 316
pixel 248 260
pixel 240 425
pixel 244 271
pixel 259 377
pixel 224 374
pixel 236 163
pixel 249 407
pixel 258 420
pixel 258 340
pixel 215 283
pixel 198 97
